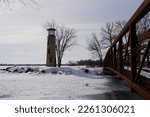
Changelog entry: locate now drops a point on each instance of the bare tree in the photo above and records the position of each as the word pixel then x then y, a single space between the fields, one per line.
pixel 108 34
pixel 111 29
pixel 23 2
pixel 65 39
pixel 119 25
pixel 94 46
pixel 50 24
pixel 144 24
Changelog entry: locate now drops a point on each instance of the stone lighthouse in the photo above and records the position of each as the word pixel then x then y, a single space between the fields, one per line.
pixel 51 48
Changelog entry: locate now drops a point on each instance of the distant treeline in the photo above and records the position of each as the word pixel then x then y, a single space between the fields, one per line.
pixel 91 63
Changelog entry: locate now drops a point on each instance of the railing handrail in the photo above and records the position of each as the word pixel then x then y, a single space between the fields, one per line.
pixel 141 11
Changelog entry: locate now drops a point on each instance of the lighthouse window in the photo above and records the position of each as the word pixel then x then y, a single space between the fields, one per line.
pixel 49 51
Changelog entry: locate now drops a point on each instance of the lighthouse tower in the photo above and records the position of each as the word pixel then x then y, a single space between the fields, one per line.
pixel 51 48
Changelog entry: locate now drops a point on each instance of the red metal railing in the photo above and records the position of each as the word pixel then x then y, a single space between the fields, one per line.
pixel 130 58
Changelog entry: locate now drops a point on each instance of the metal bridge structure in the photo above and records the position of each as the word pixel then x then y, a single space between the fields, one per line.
pixel 129 55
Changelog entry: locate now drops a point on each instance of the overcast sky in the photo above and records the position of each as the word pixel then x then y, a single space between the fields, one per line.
pixel 23 39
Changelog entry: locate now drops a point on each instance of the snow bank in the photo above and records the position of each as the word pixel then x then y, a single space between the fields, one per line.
pixel 78 71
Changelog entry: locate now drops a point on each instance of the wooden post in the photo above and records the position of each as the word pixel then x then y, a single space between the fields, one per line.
pixel 115 60
pixel 133 52
pixel 110 58
pixel 120 56
pixel 148 61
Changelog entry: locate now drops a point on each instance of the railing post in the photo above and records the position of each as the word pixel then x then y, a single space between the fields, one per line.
pixel 110 58
pixel 114 58
pixel 120 56
pixel 133 52
pixel 143 60
pixel 106 61
pixel 148 61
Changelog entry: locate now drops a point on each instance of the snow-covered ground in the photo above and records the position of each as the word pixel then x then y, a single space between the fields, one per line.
pixel 143 72
pixel 44 83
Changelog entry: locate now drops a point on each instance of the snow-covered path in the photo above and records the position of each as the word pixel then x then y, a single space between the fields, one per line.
pixel 57 86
